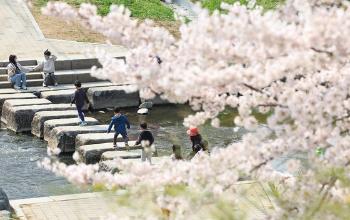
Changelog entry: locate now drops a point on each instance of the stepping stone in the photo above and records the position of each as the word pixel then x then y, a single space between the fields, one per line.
pixel 98 138
pixel 156 101
pixel 8 104
pixel 60 96
pixel 4 97
pixel 92 153
pixel 40 118
pixel 112 96
pixel 19 118
pixel 111 155
pixel 111 166
pixel 64 137
pixel 51 124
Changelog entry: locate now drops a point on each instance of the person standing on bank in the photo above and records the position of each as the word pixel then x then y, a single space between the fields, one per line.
pixel 120 122
pixel 79 99
pixel 48 67
pixel 17 74
pixel 146 140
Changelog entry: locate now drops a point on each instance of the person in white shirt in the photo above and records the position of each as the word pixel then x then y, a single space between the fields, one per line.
pixel 16 73
pixel 48 67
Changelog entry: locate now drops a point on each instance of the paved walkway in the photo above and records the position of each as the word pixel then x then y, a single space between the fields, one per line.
pixel 20 35
pixel 94 206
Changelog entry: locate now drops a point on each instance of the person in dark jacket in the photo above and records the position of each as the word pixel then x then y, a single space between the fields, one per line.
pixel 80 99
pixel 146 140
pixel 120 122
pixel 198 144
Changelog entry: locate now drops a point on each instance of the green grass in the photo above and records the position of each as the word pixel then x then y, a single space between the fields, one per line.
pixel 152 9
pixel 215 4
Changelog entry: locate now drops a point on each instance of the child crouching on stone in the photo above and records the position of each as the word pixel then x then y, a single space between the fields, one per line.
pixel 146 140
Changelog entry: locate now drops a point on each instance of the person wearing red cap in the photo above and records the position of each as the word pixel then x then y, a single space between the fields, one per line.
pixel 197 142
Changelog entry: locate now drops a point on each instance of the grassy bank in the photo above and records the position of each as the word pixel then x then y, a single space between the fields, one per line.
pixel 140 9
pixel 215 4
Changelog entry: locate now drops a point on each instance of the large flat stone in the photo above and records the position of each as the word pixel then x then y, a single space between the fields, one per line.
pixel 92 153
pixel 40 118
pixel 51 124
pixel 112 96
pixel 111 166
pixel 19 118
pixel 4 97
pixel 98 138
pixel 8 104
pixel 64 137
pixel 111 155
pixel 60 96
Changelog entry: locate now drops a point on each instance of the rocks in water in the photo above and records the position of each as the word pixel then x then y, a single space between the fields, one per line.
pixel 111 165
pixel 156 101
pixel 64 137
pixel 60 96
pixel 142 111
pixel 98 138
pixel 146 105
pixel 92 153
pixel 112 96
pixel 19 118
pixel 51 124
pixel 4 97
pixel 4 201
pixel 40 118
pixel 8 104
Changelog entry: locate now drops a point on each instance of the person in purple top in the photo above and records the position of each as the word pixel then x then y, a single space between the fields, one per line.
pixel 119 122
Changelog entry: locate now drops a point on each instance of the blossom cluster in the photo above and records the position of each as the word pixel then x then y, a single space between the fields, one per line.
pixel 290 64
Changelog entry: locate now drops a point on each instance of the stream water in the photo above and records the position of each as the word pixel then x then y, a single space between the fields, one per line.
pixel 20 176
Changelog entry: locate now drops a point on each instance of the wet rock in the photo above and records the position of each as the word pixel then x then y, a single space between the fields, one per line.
pixel 4 201
pixel 4 97
pixel 40 118
pixel 98 138
pixel 111 155
pixel 92 153
pixel 64 137
pixel 51 124
pixel 19 118
pixel 156 101
pixel 112 96
pixel 60 96
pixel 8 104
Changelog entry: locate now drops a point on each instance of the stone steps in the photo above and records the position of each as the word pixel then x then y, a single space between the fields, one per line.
pixel 98 138
pixel 111 165
pixel 64 137
pixel 22 62
pixel 111 155
pixel 92 153
pixel 41 117
pixel 19 118
pixel 51 124
pixel 33 75
pixel 30 83
pixel 4 97
pixel 10 103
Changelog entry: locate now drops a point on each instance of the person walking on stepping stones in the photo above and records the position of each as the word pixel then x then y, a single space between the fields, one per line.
pixel 48 67
pixel 146 140
pixel 119 122
pixel 17 74
pixel 80 99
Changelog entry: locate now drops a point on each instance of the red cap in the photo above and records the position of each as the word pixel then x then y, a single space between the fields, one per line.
pixel 193 131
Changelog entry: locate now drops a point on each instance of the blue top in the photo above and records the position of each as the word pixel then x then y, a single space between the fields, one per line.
pixel 119 123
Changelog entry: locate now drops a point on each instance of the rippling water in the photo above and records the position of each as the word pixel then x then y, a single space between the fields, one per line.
pixel 21 178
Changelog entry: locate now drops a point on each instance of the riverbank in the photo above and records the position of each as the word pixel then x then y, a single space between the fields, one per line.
pixel 57 29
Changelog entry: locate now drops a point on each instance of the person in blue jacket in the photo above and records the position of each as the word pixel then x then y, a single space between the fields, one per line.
pixel 120 122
